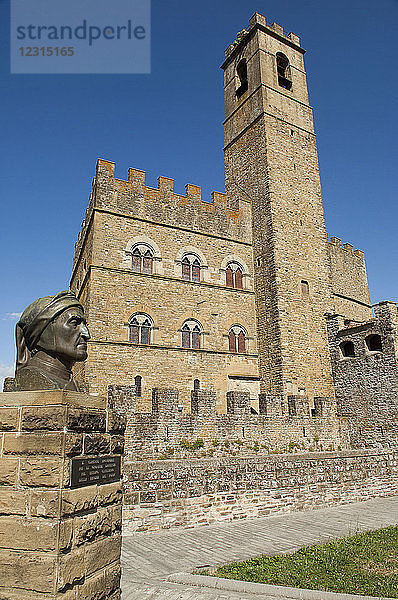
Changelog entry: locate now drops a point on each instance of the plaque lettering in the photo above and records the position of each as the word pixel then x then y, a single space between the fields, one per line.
pixel 95 470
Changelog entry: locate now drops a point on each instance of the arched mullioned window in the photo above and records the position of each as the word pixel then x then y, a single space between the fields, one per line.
pixel 142 259
pixel 241 71
pixel 191 335
pixel 237 339
pixel 190 265
pixel 140 328
pixel 233 276
pixel 283 68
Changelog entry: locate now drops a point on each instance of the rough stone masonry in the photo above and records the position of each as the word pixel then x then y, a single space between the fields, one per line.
pixel 60 538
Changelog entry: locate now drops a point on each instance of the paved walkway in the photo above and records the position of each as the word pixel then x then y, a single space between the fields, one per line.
pixel 149 558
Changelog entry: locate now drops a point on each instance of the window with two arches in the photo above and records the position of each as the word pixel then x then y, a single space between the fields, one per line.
pixel 233 276
pixel 191 334
pixel 237 339
pixel 190 267
pixel 140 328
pixel 142 259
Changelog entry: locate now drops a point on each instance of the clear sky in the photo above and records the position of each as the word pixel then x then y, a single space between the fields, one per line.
pixel 54 127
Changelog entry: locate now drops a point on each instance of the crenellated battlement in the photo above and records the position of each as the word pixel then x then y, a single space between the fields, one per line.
pixel 337 245
pixel 136 178
pixel 260 22
pixel 217 215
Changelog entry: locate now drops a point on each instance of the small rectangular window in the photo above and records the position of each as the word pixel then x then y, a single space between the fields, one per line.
pixel 305 289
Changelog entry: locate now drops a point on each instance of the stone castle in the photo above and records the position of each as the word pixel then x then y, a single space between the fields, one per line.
pixel 237 320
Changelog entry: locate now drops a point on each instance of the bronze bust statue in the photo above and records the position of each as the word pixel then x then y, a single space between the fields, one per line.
pixel 51 336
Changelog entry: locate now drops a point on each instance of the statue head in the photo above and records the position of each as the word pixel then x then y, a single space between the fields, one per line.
pixel 54 330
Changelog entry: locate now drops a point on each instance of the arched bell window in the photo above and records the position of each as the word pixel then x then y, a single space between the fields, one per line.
pixel 140 328
pixel 142 259
pixel 191 335
pixel 190 266
pixel 233 276
pixel 241 71
pixel 283 69
pixel 237 339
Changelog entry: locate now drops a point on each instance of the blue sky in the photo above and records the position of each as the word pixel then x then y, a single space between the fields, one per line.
pixel 169 122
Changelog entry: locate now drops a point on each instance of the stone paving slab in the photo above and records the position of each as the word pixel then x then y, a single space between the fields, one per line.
pixel 149 558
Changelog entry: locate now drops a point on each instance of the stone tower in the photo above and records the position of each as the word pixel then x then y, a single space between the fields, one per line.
pixel 271 159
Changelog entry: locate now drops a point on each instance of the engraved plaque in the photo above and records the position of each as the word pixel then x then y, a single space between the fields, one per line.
pixel 95 470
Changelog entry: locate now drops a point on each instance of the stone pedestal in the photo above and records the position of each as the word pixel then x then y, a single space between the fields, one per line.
pixel 60 497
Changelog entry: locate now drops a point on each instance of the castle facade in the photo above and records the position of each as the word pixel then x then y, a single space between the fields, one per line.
pixel 231 297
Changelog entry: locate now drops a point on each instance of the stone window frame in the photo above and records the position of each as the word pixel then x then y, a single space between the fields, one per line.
pixel 242 79
pixel 232 259
pixel 141 318
pixel 194 253
pixel 343 344
pixel 191 268
pixel 367 340
pixel 237 329
pixel 192 334
pixel 143 243
pixel 283 71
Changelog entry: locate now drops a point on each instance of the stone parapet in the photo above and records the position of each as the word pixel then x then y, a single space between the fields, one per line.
pixel 188 493
pixel 60 496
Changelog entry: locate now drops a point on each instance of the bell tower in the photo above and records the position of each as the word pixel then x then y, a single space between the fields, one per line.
pixel 271 159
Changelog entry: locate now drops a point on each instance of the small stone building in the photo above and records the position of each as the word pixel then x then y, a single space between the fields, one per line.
pixel 228 296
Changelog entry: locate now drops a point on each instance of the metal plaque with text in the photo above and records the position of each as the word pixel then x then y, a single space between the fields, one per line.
pixel 95 470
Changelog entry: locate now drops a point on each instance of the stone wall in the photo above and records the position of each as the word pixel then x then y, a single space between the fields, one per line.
pixel 57 540
pixel 188 493
pixel 349 281
pixel 171 432
pixel 366 380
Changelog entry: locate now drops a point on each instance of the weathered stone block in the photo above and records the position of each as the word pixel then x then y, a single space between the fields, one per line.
pixel 36 472
pixel 13 502
pixel 96 443
pixel 101 586
pixel 66 531
pixel 109 493
pixel 8 471
pixel 43 417
pixel 90 527
pixel 33 443
pixel 117 518
pixel 71 568
pixel 22 533
pixel 79 500
pixel 44 504
pixel 27 570
pixel 101 553
pixel 117 422
pixel 73 444
pixel 117 444
pixel 9 419
pixel 86 420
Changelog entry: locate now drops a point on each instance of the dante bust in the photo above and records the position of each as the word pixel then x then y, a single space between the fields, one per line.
pixel 51 336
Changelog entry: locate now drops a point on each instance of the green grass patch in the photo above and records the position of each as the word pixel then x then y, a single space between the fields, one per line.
pixel 364 563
